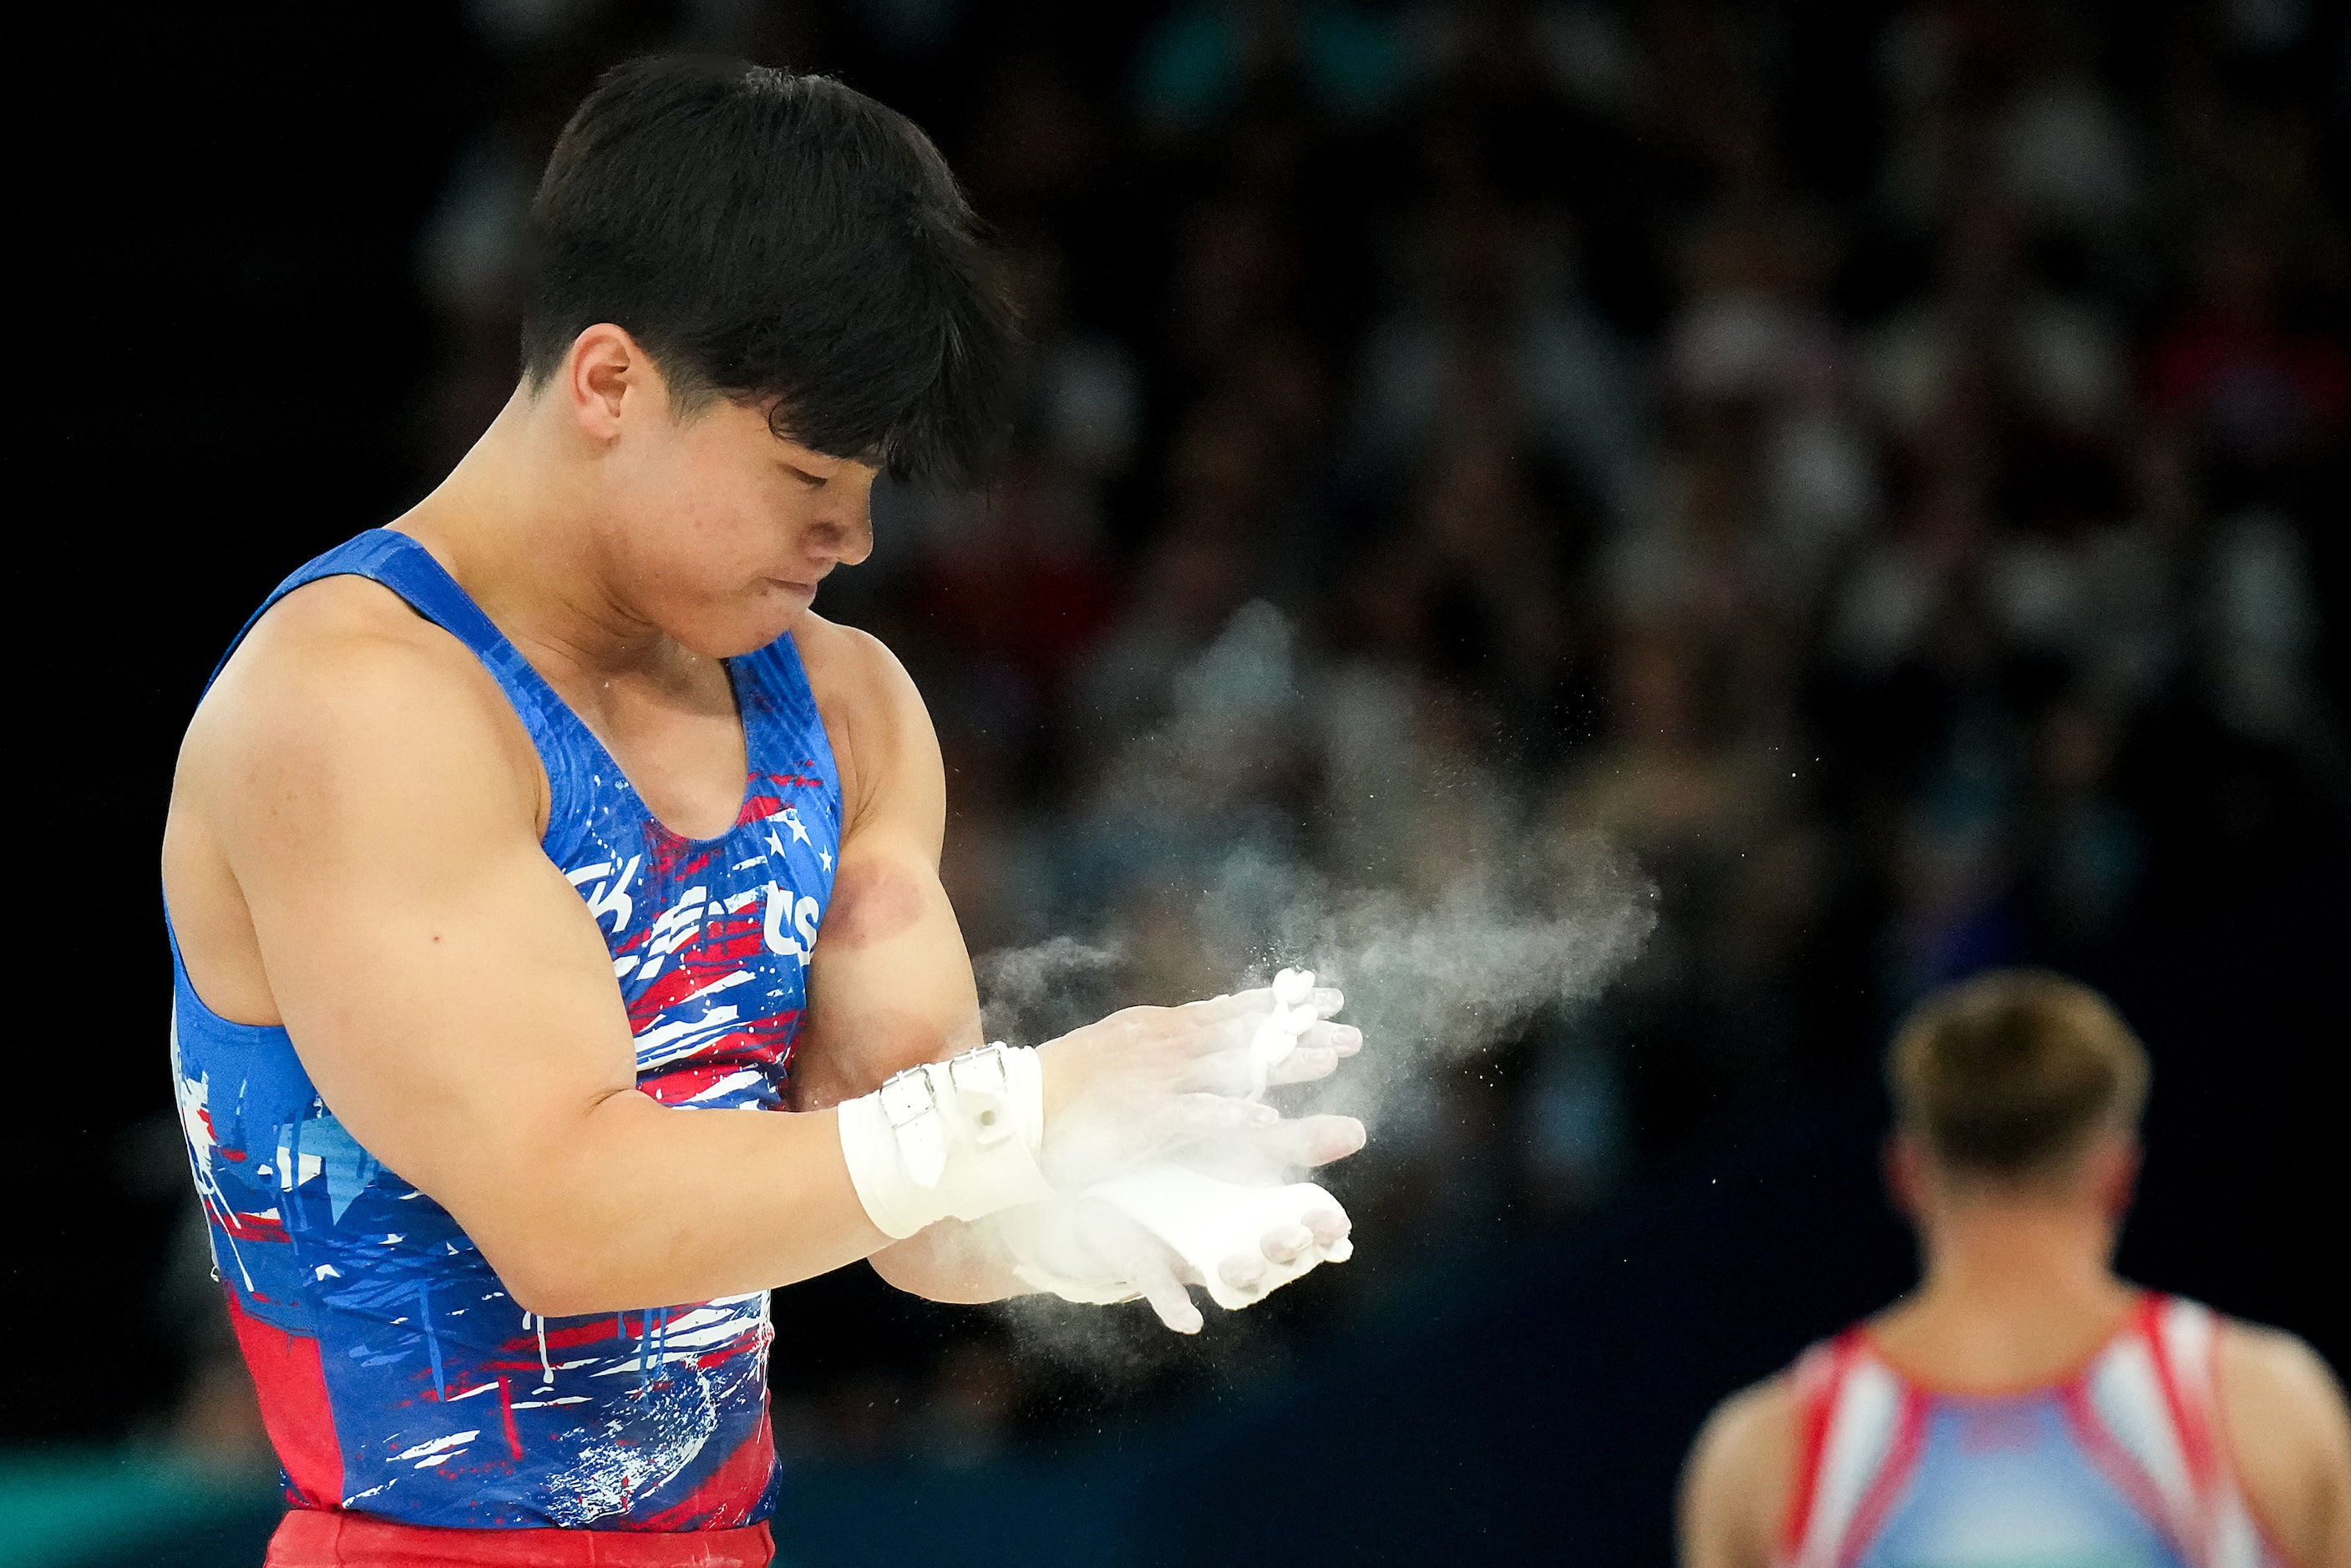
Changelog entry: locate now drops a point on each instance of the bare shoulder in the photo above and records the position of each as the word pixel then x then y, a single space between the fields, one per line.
pixel 852 669
pixel 345 734
pixel 2290 1436
pixel 342 671
pixel 874 717
pixel 1735 1485
pixel 2276 1378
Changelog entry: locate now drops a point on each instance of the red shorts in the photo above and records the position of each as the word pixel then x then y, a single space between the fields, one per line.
pixel 316 1538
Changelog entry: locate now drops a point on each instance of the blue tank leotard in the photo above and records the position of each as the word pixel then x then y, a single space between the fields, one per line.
pixel 2122 1464
pixel 397 1377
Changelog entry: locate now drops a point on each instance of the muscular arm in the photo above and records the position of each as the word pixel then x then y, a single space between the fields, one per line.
pixel 890 983
pixel 358 778
pixel 2290 1439
pixel 353 851
pixel 1735 1486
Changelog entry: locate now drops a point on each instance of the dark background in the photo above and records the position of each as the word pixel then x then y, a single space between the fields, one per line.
pixel 1946 401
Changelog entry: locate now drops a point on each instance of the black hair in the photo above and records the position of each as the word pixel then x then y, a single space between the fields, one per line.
pixel 779 240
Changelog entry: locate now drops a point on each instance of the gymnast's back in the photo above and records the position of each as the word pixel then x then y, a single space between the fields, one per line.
pixel 2124 1459
pixel 2024 1407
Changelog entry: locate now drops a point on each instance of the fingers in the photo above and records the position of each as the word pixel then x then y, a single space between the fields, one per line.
pixel 1240 1004
pixel 1285 1243
pixel 1279 1248
pixel 1235 1072
pixel 1272 1153
pixel 1181 1120
pixel 1241 1241
pixel 1317 1054
pixel 1226 1072
pixel 1151 1274
pixel 1244 1272
pixel 1306 1140
pixel 1210 1035
pixel 1233 1065
pixel 1333 1233
pixel 1206 1115
pixel 1156 1077
pixel 1142 1261
pixel 1324 1229
pixel 1326 1001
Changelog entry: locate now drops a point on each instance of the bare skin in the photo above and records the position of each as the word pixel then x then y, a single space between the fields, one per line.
pixel 2019 1292
pixel 352 852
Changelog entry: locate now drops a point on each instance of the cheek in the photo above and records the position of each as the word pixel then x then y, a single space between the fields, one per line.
pixel 656 496
pixel 692 525
pixel 734 517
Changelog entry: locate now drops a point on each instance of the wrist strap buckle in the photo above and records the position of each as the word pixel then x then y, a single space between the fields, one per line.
pixel 910 1105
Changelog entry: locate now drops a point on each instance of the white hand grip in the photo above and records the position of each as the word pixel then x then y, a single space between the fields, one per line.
pixel 1206 1221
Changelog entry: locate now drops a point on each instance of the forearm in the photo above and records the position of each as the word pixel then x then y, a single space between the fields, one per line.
pixel 639 1204
pixel 951 1262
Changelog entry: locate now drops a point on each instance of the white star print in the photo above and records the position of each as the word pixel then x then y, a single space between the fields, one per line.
pixel 775 843
pixel 792 821
pixel 825 856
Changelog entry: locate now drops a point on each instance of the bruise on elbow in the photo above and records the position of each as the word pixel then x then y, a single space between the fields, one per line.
pixel 872 901
pixel 852 1058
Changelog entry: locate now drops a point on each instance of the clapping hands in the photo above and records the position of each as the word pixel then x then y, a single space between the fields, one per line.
pixel 1169 1168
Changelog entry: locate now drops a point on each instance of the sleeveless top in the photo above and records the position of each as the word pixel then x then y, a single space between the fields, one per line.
pixel 2120 1464
pixel 397 1377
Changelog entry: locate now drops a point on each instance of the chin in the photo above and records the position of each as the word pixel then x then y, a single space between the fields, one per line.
pixel 745 630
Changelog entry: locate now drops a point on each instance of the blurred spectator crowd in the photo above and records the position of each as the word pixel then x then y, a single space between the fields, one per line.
pixel 1882 470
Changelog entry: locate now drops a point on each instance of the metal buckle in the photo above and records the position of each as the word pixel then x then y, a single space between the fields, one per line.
pixel 907 1098
pixel 910 1105
pixel 991 1056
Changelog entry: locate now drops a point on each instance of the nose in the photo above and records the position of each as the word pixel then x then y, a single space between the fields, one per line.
pixel 845 533
pixel 858 533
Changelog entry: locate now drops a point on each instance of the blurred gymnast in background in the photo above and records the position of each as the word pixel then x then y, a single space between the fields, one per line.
pixel 2023 1405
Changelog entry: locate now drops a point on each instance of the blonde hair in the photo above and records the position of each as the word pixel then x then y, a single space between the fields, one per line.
pixel 2012 1072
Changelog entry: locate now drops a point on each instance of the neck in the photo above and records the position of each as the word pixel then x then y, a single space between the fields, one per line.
pixel 513 523
pixel 2017 1290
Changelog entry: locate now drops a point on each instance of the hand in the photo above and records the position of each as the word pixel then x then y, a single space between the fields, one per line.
pixel 1147 1079
pixel 1270 1154
pixel 1108 1245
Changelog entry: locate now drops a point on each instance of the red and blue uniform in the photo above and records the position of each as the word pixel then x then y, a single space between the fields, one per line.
pixel 398 1379
pixel 2123 1464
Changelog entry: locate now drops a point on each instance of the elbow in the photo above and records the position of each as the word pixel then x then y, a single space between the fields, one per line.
pixel 551 1280
pixel 541 1300
pixel 556 1250
pixel 537 1290
pixel 546 1296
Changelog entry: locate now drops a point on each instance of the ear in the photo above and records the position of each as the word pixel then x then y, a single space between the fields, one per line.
pixel 603 371
pixel 2114 1175
pixel 1905 1176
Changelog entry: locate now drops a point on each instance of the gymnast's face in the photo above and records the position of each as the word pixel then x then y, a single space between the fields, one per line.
pixel 707 524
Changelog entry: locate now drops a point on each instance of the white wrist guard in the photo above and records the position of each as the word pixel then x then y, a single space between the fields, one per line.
pixel 956 1138
pixel 1206 1221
